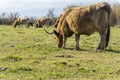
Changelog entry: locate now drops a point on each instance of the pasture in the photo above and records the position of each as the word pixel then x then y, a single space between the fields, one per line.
pixel 31 54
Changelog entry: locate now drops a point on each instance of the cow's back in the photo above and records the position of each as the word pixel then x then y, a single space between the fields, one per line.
pixel 85 20
pixel 79 21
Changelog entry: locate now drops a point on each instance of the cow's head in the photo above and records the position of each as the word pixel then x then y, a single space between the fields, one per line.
pixel 56 34
pixel 58 38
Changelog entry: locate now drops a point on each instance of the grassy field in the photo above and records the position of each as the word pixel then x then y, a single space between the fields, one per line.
pixel 31 54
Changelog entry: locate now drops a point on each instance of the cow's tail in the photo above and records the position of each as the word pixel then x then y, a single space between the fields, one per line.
pixel 107 36
pixel 108 31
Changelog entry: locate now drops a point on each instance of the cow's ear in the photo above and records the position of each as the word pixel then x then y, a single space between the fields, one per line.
pixel 55 32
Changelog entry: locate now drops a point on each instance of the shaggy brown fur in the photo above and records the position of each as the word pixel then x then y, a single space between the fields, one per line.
pixel 84 21
pixel 19 21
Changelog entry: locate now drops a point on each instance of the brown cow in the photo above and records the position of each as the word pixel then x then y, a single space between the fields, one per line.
pixel 84 21
pixel 43 21
pixel 19 21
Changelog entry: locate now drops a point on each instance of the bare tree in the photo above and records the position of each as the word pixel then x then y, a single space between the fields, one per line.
pixel 51 13
pixel 13 15
pixel 3 15
pixel 51 16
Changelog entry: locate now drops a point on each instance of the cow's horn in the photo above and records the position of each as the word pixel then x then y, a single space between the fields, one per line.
pixel 47 31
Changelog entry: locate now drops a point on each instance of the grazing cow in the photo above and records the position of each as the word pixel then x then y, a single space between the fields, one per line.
pixel 43 21
pixel 84 21
pixel 19 21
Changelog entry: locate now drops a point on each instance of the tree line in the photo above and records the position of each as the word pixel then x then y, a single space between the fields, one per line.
pixel 9 18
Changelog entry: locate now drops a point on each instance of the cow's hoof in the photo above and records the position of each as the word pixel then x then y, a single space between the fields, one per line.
pixel 99 50
pixel 63 47
pixel 77 49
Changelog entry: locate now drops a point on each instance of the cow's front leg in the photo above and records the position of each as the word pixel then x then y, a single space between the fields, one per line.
pixel 77 38
pixel 64 41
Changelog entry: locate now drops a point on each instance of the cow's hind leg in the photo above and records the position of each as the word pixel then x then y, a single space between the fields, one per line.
pixel 102 41
pixel 77 38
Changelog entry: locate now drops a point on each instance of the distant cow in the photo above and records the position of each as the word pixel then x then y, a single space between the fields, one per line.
pixel 19 21
pixel 43 21
pixel 84 21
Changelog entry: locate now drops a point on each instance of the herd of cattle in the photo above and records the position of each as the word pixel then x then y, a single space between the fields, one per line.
pixel 80 21
pixel 38 23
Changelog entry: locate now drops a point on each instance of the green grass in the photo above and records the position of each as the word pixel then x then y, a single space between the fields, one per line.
pixel 31 54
